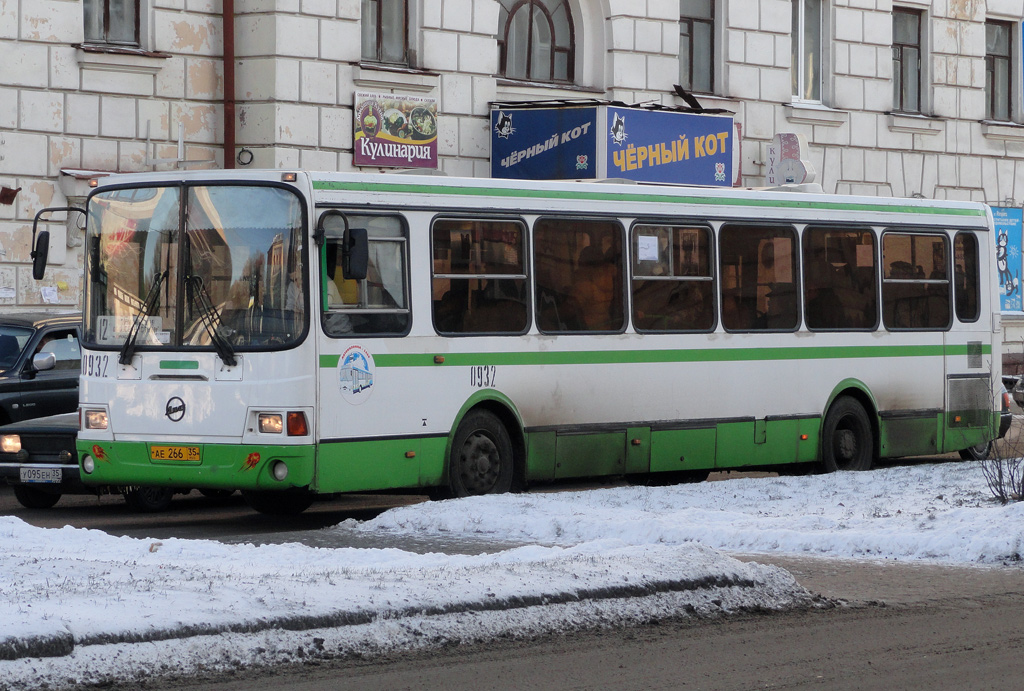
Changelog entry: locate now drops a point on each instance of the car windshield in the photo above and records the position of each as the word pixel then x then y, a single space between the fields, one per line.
pixel 12 342
pixel 195 267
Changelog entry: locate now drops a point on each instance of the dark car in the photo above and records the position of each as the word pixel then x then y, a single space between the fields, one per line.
pixel 38 460
pixel 40 361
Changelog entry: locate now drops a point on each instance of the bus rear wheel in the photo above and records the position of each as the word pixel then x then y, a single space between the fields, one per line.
pixel 847 442
pixel 481 457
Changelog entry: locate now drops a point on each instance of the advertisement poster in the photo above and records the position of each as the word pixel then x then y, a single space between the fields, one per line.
pixel 544 143
pixel 395 131
pixel 1008 256
pixel 669 147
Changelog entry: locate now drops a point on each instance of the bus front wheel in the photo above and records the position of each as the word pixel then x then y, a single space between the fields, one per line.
pixel 481 457
pixel 847 442
pixel 279 502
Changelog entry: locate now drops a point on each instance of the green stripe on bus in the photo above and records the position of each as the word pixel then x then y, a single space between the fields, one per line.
pixel 620 357
pixel 786 203
pixel 179 364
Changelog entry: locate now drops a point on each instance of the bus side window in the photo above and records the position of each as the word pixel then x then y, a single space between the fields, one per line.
pixel 378 304
pixel 479 282
pixel 839 279
pixel 758 278
pixel 967 281
pixel 913 297
pixel 579 275
pixel 672 282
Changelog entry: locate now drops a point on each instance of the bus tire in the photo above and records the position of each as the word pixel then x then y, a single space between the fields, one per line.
pixel 32 498
pixel 978 452
pixel 279 502
pixel 847 442
pixel 148 499
pixel 481 460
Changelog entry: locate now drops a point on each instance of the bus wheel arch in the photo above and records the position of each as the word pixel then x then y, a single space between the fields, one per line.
pixel 486 452
pixel 849 433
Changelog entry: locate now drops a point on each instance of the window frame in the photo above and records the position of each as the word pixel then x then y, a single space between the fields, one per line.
pixel 799 51
pixel 690 20
pixel 402 239
pixel 378 47
pixel 930 232
pixel 526 276
pixel 976 286
pixel 105 21
pixel 511 8
pixel 712 278
pixel 538 290
pixel 805 240
pixel 899 90
pixel 745 226
pixel 1010 78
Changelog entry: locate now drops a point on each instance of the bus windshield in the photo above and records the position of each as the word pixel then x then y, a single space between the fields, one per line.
pixel 195 267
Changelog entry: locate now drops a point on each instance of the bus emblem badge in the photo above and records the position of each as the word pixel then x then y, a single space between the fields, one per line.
pixel 355 374
pixel 175 409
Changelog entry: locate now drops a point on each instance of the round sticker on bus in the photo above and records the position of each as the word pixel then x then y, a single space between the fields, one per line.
pixel 355 374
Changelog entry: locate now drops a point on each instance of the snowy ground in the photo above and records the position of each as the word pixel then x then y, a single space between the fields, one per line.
pixel 105 608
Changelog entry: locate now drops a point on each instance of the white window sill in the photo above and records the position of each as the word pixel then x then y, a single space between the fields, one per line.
pixel 380 76
pixel 119 59
pixel 1006 131
pixel 915 124
pixel 815 114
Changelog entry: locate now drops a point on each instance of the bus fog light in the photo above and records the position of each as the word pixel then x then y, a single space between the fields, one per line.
pixel 10 443
pixel 279 470
pixel 271 423
pixel 88 464
pixel 96 419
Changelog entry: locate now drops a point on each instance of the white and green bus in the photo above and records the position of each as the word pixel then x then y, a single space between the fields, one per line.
pixel 288 334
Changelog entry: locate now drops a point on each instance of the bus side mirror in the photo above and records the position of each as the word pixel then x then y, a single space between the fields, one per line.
pixel 40 253
pixel 355 253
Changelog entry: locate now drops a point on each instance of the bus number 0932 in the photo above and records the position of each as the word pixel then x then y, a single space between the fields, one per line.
pixel 482 376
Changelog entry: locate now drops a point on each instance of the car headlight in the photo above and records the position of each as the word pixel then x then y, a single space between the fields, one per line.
pixel 10 443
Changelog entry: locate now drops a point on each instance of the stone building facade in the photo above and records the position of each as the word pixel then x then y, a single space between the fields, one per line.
pixel 163 89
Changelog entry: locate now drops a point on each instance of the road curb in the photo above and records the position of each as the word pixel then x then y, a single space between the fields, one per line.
pixel 63 644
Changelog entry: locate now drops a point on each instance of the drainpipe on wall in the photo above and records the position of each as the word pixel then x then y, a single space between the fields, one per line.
pixel 229 83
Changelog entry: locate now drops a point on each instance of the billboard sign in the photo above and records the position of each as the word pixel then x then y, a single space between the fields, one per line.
pixel 394 131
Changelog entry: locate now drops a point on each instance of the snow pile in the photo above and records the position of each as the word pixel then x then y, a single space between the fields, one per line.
pixel 115 608
pixel 940 513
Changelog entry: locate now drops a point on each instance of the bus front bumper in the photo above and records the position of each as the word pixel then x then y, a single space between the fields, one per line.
pixel 198 466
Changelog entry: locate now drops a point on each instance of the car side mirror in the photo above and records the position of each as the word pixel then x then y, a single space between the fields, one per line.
pixel 39 254
pixel 42 362
pixel 355 256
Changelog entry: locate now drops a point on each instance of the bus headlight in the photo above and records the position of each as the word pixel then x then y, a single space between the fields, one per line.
pixel 279 470
pixel 95 419
pixel 271 423
pixel 88 464
pixel 10 443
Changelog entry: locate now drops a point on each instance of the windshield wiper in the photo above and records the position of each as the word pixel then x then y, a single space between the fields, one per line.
pixel 128 347
pixel 210 317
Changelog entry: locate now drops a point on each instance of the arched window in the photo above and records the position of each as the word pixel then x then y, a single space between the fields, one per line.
pixel 536 40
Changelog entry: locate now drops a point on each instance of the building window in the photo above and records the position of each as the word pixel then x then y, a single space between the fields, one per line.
pixel 535 40
pixel 807 46
pixel 697 45
pixel 998 84
pixel 906 60
pixel 112 21
pixel 385 31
